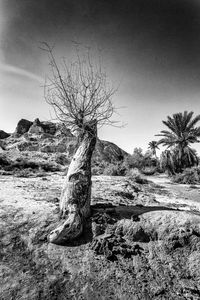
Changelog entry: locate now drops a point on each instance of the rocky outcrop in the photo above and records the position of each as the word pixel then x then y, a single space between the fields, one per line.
pixel 3 134
pixel 109 152
pixel 22 127
pixel 46 127
pixel 36 127
pixel 47 140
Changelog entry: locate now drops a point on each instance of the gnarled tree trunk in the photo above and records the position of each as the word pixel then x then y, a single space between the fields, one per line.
pixel 76 195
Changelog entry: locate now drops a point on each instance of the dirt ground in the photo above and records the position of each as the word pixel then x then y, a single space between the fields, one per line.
pixel 142 241
pixel 184 196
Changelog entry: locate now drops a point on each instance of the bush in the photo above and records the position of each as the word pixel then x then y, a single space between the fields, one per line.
pixel 189 176
pixel 62 159
pixel 22 164
pixel 141 161
pixel 136 160
pixel 140 180
pixel 149 171
pixel 97 170
pixel 4 161
pixel 115 170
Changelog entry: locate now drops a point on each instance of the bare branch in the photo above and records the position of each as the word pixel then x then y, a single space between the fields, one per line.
pixel 79 92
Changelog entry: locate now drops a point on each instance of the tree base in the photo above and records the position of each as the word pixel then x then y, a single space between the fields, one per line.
pixel 68 230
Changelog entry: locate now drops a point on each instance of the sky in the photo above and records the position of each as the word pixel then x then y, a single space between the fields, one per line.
pixel 151 51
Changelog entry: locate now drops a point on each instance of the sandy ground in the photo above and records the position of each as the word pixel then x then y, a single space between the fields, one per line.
pixel 31 268
pixel 184 196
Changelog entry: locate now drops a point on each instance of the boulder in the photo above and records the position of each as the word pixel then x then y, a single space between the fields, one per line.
pixel 49 127
pixel 45 127
pixel 36 127
pixel 22 127
pixel 3 134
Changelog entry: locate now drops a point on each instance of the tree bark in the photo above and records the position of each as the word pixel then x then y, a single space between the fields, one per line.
pixel 76 194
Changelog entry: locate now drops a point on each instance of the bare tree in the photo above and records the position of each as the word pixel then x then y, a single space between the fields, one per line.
pixel 80 95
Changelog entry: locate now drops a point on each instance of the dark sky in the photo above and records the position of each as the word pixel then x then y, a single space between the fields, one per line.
pixel 151 46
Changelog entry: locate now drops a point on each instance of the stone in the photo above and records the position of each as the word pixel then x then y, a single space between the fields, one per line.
pixel 22 127
pixel 49 127
pixel 3 134
pixel 112 245
pixel 36 127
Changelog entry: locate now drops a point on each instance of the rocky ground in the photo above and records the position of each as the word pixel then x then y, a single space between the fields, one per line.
pixel 140 243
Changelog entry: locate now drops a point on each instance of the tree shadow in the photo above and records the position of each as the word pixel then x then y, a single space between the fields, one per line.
pixel 127 211
pixel 111 214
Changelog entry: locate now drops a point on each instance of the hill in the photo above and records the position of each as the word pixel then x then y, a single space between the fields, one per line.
pixel 50 146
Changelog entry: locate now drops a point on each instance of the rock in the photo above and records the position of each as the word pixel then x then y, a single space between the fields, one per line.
pixel 3 134
pixel 39 139
pixel 48 149
pixel 36 127
pixel 62 130
pixel 22 127
pixel 111 246
pixel 97 229
pixel 108 151
pixel 4 161
pixel 27 146
pixel 2 146
pixel 60 147
pixel 49 127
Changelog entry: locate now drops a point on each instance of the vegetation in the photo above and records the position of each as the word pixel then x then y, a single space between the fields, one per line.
pixel 189 176
pixel 24 166
pixel 153 146
pixel 182 132
pixel 146 162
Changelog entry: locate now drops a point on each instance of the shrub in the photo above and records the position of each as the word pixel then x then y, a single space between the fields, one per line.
pixel 141 161
pixel 139 179
pixel 149 170
pixel 49 167
pixel 189 176
pixel 97 170
pixel 4 161
pixel 22 163
pixel 136 160
pixel 115 170
pixel 62 159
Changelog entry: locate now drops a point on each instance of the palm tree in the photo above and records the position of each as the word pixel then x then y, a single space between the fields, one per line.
pixel 182 132
pixel 153 145
pixel 168 162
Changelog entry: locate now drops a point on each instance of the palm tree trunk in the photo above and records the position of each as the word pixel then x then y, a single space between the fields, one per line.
pixel 76 195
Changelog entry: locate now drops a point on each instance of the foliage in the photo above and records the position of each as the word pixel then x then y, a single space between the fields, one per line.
pixel 136 160
pixel 115 170
pixel 182 132
pixel 189 176
pixel 171 161
pixel 167 161
pixel 62 159
pixel 153 145
pixel 140 161
pixel 149 170
pixel 23 164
